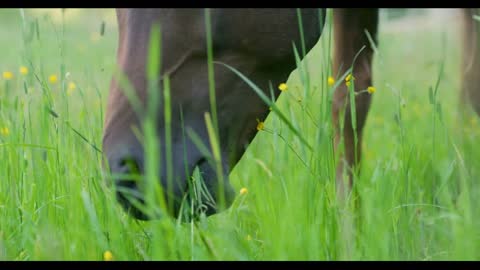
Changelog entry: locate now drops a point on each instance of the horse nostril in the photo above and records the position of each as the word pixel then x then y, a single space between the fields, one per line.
pixel 128 165
pixel 126 172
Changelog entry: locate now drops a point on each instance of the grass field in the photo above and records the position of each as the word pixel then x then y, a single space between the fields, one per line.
pixel 418 185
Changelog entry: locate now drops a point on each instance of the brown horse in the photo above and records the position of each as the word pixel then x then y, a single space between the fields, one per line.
pixel 258 43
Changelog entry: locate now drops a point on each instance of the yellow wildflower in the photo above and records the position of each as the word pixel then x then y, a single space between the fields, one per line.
pixel 260 125
pixel 371 89
pixel 243 191
pixel 7 75
pixel 23 70
pixel 283 87
pixel 71 87
pixel 108 256
pixel 330 81
pixel 349 79
pixel 4 131
pixel 53 79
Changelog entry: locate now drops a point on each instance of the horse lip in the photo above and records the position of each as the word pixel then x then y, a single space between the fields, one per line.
pixel 199 163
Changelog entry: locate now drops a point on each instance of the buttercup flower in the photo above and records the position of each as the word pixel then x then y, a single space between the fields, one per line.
pixel 330 81
pixel 53 79
pixel 243 191
pixel 23 70
pixel 260 125
pixel 371 89
pixel 349 79
pixel 7 75
pixel 108 256
pixel 4 131
pixel 72 86
pixel 283 87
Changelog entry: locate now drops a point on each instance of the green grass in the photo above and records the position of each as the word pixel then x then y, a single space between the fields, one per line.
pixel 418 182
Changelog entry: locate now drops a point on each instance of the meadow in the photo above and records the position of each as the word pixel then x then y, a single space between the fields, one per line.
pixel 418 183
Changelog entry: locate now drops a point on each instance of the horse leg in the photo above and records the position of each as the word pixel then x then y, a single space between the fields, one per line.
pixel 350 26
pixel 470 92
pixel 349 38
